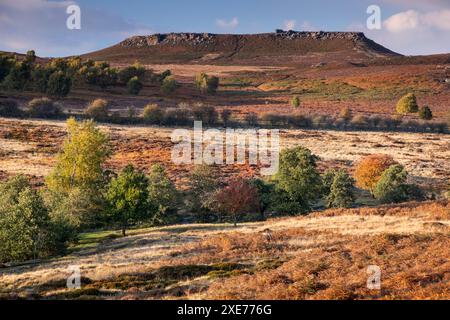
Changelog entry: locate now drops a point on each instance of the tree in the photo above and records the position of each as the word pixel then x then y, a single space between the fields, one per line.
pixel 43 108
pixel 341 193
pixel 30 56
pixel 6 64
pixel 298 176
pixel 369 170
pixel 203 183
pixel 346 114
pixel 391 188
pixel 425 113
pixel 25 228
pixel 205 113
pixel 80 163
pixel 295 102
pixel 169 85
pixel 59 84
pixel 18 76
pixel 128 197
pixel 225 115
pixel 39 77
pixel 238 198
pixel 163 196
pixel 134 86
pixel 206 84
pixel 97 109
pixel 407 104
pixel 136 70
pixel 153 114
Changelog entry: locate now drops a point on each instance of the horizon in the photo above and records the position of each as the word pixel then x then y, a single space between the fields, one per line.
pixel 406 27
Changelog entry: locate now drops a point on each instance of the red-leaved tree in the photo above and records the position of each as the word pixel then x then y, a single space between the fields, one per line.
pixel 237 199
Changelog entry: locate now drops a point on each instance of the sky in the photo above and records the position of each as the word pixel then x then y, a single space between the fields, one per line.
pixel 409 27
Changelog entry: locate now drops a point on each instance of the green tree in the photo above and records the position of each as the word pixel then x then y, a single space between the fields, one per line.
pixel 391 188
pixel 298 176
pixel 59 84
pixel 163 196
pixel 6 64
pixel 134 86
pixel 39 77
pixel 425 113
pixel 295 102
pixel 169 85
pixel 136 70
pixel 80 163
pixel 127 197
pixel 25 228
pixel 203 183
pixel 407 104
pixel 341 193
pixel 18 76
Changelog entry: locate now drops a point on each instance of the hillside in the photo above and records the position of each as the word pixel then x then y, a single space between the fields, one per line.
pixel 279 48
pixel 322 256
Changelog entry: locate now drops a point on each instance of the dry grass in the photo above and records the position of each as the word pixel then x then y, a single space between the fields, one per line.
pixel 321 256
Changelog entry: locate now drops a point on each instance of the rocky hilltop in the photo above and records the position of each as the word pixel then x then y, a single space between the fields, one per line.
pixel 277 48
pixel 206 38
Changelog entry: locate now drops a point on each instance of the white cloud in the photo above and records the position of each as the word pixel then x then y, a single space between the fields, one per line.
pixel 289 24
pixel 414 20
pixel 233 23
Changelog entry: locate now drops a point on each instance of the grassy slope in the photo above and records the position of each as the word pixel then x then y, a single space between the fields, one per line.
pixel 324 255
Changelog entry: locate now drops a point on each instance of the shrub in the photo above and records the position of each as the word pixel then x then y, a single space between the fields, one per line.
pixel 407 104
pixel 59 84
pixel 207 114
pixel 359 121
pixel 370 169
pixel 134 86
pixel 127 198
pixel 97 109
pixel 9 108
pixel 425 113
pixel 43 108
pixel 341 193
pixel 295 102
pixel 238 198
pixel 153 114
pixel 391 185
pixel 298 176
pixel 169 85
pixel 274 119
pixel 298 120
pixel 163 196
pixel 25 227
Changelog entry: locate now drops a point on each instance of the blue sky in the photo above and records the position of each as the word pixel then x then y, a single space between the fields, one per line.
pixel 408 26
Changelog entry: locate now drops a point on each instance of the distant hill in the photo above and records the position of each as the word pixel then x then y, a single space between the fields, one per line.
pixel 278 48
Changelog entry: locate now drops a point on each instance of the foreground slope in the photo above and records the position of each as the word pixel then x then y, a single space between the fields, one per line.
pixel 322 256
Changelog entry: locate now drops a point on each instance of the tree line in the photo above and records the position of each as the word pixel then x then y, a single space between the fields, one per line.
pixel 80 194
